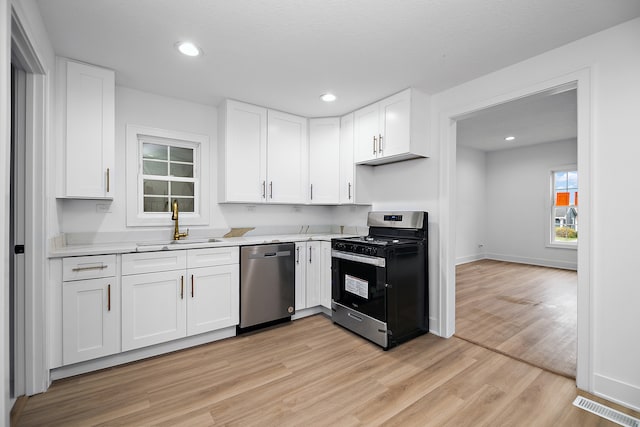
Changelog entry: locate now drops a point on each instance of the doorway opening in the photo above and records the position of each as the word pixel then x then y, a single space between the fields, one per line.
pixel 516 284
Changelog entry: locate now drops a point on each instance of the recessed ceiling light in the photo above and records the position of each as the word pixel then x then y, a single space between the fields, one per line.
pixel 510 138
pixel 328 97
pixel 188 48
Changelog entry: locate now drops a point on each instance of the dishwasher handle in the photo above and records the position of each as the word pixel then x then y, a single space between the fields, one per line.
pixel 270 255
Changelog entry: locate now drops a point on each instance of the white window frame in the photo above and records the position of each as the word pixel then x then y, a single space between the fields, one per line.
pixel 135 136
pixel 551 243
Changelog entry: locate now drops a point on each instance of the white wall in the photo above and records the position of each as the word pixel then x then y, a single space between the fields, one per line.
pixel 609 62
pixel 518 203
pixel 471 201
pixel 146 109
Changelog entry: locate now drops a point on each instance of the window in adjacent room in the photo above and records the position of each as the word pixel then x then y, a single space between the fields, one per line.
pixel 166 166
pixel 564 207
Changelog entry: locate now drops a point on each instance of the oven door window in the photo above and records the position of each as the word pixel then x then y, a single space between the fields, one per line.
pixel 359 286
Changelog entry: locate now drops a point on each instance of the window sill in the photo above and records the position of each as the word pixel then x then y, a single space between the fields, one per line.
pixel 559 245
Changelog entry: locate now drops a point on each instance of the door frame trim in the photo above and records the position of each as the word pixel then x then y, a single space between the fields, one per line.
pixel 582 79
pixel 23 50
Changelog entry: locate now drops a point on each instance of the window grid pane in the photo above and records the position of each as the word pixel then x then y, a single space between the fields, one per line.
pixel 564 207
pixel 168 173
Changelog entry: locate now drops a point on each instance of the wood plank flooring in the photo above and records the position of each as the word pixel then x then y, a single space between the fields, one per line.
pixel 313 373
pixel 525 311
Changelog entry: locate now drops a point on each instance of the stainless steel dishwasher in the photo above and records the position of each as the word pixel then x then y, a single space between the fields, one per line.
pixel 267 283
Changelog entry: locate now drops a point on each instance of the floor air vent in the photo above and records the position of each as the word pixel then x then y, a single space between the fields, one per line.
pixel 606 412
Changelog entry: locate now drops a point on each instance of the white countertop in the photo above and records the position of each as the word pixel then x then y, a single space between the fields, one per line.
pixel 152 246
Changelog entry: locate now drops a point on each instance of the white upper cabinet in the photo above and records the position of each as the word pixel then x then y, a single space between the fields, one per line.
pixel 355 181
pixel 242 146
pixel 86 125
pixel 324 161
pixel 262 155
pixel 393 129
pixel 287 158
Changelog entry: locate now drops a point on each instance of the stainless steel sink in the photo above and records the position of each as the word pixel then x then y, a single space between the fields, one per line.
pixel 178 242
pixel 187 240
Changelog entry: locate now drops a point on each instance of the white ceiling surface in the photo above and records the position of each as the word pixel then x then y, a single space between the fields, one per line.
pixel 531 120
pixel 285 53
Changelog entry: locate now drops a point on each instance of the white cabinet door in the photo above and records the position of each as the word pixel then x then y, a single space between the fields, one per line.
pixel 314 271
pixel 346 184
pixel 153 308
pixel 325 275
pixel 213 298
pixel 301 276
pixel 88 127
pixel 324 160
pixel 242 152
pixel 366 122
pixel 90 319
pixel 287 158
pixel 394 129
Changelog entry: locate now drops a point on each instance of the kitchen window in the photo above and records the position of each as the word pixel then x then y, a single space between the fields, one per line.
pixel 564 207
pixel 168 173
pixel 166 166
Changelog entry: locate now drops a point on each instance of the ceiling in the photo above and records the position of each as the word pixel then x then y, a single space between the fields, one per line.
pixel 534 119
pixel 284 54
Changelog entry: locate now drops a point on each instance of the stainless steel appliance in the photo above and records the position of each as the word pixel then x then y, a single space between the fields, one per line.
pixel 379 282
pixel 267 283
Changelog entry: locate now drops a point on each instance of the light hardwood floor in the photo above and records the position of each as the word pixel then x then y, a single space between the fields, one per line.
pixel 313 373
pixel 525 311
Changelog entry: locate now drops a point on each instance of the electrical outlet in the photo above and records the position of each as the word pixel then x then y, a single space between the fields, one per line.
pixel 103 208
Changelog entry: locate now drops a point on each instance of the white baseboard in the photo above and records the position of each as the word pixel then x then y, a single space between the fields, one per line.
pixel 534 261
pixel 141 353
pixel 617 391
pixel 434 326
pixel 306 312
pixel 470 258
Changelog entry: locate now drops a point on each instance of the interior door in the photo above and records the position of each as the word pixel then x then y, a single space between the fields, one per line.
pixel 17 233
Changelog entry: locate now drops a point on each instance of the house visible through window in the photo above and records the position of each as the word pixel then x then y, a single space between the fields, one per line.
pixel 168 174
pixel 564 209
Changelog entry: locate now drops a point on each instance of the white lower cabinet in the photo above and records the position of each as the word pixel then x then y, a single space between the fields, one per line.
pixel 325 274
pixel 313 284
pixel 90 308
pixel 153 308
pixel 162 306
pixel 212 301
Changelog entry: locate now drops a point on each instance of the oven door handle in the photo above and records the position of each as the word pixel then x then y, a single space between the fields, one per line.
pixel 375 261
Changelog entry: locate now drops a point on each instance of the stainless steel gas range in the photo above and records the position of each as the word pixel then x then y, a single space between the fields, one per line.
pixel 380 282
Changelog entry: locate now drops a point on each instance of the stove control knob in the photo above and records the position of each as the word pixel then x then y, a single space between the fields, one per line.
pixel 340 246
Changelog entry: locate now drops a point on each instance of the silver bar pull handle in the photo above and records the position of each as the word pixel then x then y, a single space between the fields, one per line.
pixel 271 189
pixel 311 191
pixel 349 191
pixel 108 181
pixel 375 140
pixel 354 317
pixel 109 297
pixel 310 251
pixel 379 143
pixel 264 189
pixel 298 255
pixel 92 267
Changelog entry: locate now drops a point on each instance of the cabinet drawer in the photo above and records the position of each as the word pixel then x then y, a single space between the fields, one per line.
pixel 88 267
pixel 152 262
pixel 212 256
